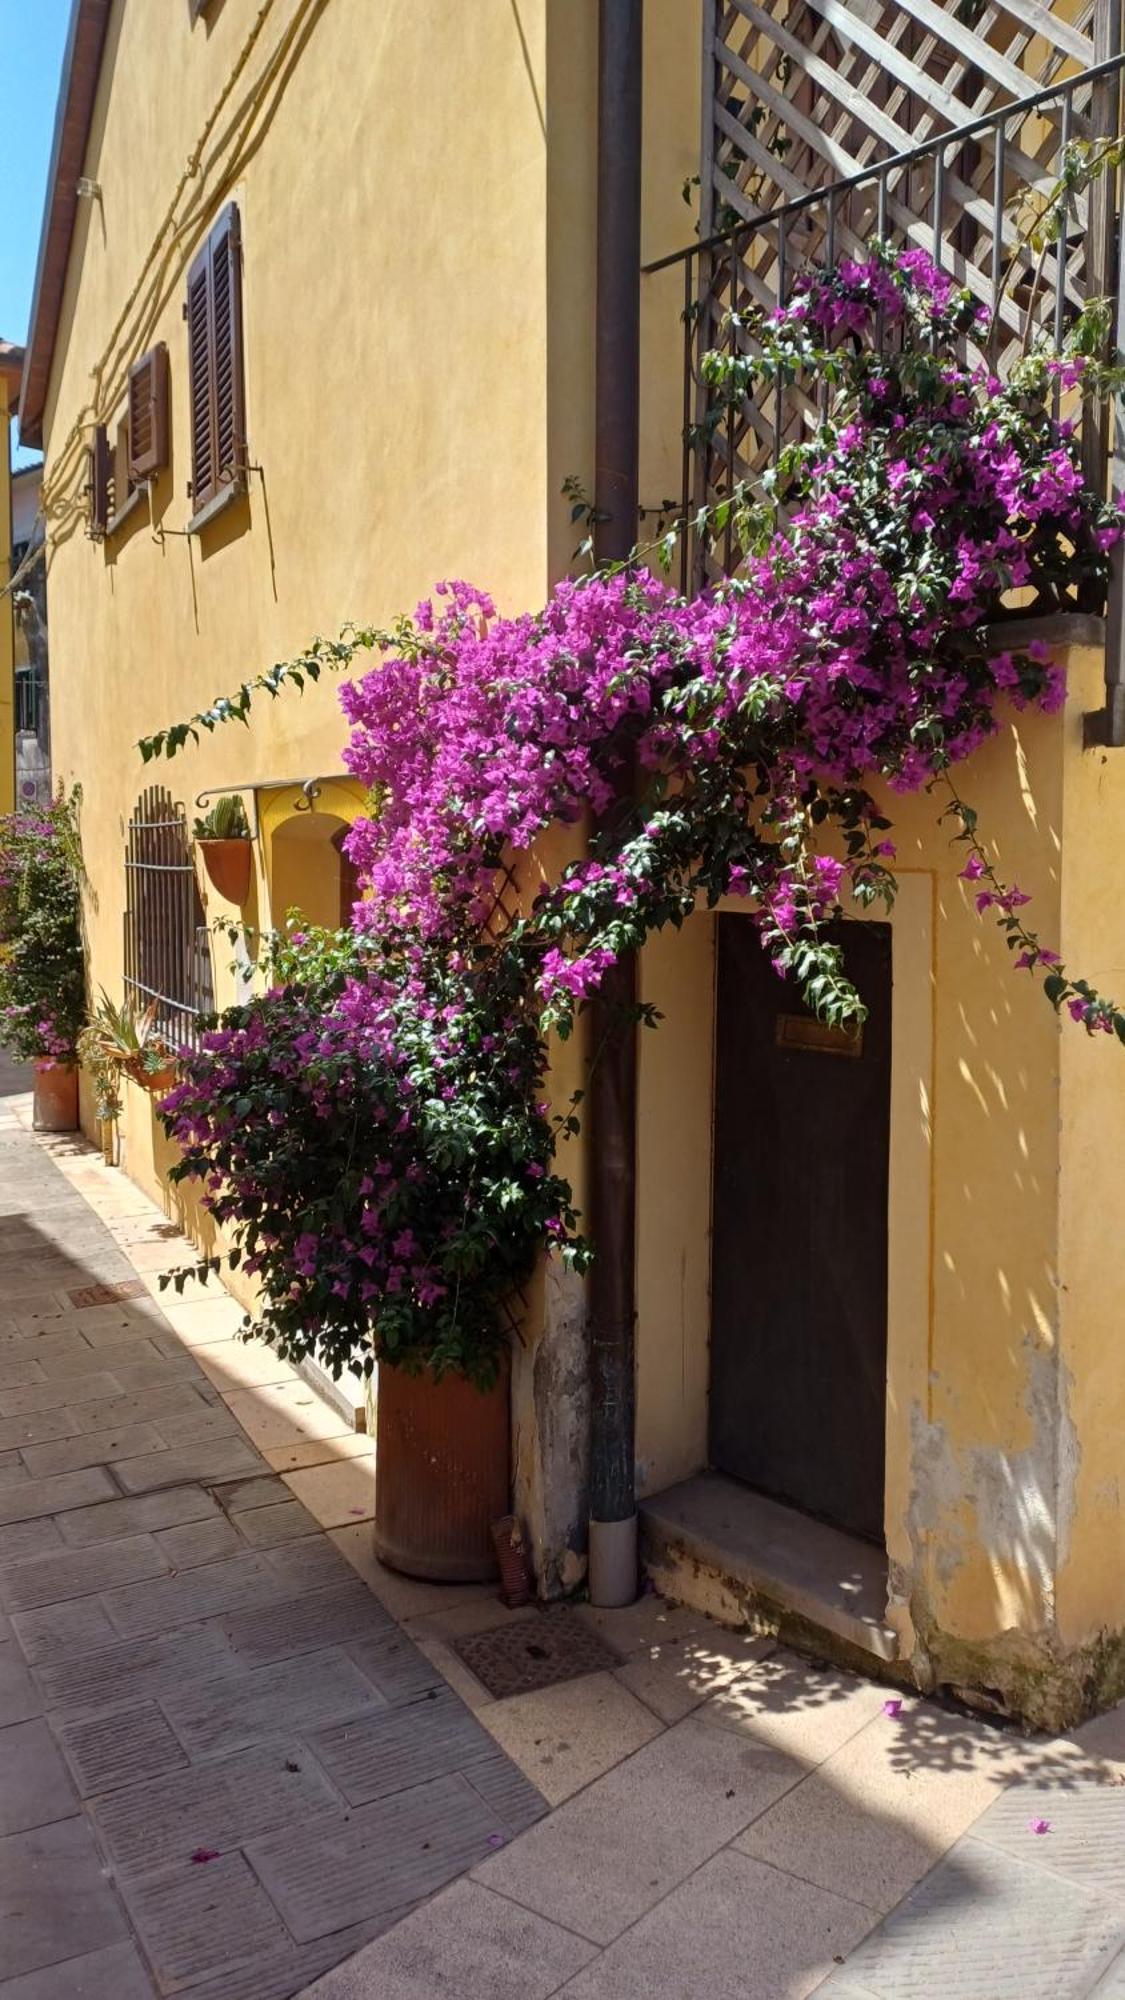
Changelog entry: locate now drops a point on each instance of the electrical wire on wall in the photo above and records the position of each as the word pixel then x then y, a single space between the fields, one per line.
pixel 207 178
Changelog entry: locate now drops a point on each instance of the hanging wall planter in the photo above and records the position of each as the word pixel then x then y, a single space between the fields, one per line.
pixel 223 839
pixel 441 1473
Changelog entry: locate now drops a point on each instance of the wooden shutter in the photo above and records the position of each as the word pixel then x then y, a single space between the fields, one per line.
pixel 215 363
pixel 101 473
pixel 226 292
pixel 122 485
pixel 203 481
pixel 148 413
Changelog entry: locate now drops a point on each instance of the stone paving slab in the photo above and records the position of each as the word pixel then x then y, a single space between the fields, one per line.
pixel 986 1926
pixel 196 1918
pixel 34 1786
pixel 78 1573
pixel 122 1748
pixel 58 1631
pixel 219 1805
pixel 176 1633
pixel 114 1974
pixel 129 1668
pixel 377 1859
pixel 294 1696
pixel 84 1526
pixel 55 1901
pixel 381 1754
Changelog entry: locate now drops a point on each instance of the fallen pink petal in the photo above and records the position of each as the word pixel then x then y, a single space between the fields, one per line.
pixel 893 1708
pixel 205 1854
pixel 1039 1825
pixel 497 1840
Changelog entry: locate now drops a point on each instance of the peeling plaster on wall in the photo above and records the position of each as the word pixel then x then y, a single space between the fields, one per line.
pixel 937 1488
pixel 1023 1501
pixel 551 1414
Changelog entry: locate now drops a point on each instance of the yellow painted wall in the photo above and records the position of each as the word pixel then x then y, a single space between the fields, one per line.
pixel 7 622
pixel 1006 1399
pixel 418 314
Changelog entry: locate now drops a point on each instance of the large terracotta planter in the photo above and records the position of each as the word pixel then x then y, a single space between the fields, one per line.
pixel 228 867
pixel 441 1474
pixel 56 1097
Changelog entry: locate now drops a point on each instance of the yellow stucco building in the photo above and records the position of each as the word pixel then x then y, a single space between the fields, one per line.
pixel 315 326
pixel 11 370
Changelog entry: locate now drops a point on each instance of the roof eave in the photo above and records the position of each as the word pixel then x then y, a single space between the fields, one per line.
pixel 74 113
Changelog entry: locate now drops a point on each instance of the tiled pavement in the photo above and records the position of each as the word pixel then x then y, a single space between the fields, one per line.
pixel 223 1766
pixel 200 1654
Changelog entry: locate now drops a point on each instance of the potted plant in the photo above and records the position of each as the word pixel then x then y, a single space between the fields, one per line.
pixel 375 1153
pixel 97 1060
pixel 42 987
pixel 222 836
pixel 122 1041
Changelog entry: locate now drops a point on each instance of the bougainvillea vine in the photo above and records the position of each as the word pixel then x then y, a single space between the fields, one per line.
pixel 373 1130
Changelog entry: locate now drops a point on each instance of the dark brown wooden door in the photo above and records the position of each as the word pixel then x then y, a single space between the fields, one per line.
pixel 799 1256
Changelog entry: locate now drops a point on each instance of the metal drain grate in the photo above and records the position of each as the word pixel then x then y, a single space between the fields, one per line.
pixel 535 1652
pixel 106 1295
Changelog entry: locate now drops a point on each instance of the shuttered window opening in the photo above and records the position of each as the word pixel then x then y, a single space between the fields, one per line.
pixel 100 482
pixel 148 414
pixel 213 311
pixel 167 949
pixel 124 493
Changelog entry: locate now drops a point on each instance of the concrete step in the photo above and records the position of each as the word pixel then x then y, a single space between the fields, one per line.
pixel 741 1558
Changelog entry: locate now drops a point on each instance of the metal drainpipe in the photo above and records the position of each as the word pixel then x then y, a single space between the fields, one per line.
pixel 611 1110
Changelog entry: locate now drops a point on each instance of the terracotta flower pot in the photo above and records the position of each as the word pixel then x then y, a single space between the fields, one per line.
pixel 228 867
pixel 158 1081
pixel 441 1474
pixel 56 1097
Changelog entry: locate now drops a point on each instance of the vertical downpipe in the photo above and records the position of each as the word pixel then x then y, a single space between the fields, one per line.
pixel 612 1099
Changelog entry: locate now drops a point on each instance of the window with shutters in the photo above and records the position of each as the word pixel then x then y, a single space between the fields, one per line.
pixel 215 369
pixel 148 414
pixel 124 493
pixel 100 483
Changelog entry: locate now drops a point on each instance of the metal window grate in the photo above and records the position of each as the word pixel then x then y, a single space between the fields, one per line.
pixel 167 951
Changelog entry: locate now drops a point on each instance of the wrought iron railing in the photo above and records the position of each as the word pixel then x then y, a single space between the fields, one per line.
pixel 929 197
pixel 167 946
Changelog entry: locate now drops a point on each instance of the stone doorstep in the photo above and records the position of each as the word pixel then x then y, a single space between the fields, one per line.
pixel 720 1548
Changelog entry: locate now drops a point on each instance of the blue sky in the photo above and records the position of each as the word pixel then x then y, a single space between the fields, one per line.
pixel 32 34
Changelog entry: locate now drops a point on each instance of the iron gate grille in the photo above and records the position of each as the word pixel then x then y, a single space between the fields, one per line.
pixel 167 954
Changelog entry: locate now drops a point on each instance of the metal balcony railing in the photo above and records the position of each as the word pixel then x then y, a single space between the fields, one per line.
pixel 971 197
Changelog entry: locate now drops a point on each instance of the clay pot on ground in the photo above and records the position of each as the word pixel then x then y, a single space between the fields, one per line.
pixel 442 1474
pixel 228 867
pixel 56 1097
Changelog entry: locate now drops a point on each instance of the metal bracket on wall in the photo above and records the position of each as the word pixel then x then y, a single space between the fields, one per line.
pixel 308 790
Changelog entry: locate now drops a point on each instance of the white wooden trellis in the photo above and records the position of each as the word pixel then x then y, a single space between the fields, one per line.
pixel 799 94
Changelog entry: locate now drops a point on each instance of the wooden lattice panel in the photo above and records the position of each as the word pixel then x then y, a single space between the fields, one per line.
pixel 804 93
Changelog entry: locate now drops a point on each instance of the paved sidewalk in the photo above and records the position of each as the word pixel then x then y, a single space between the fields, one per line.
pixel 199 1655
pixel 223 1766
pixel 734 1823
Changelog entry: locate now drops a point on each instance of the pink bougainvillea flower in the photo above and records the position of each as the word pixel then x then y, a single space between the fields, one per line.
pixel 1039 1825
pixel 893 1708
pixel 202 1854
pixel 973 870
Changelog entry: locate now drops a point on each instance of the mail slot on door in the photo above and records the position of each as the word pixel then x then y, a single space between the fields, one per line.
pixel 804 1031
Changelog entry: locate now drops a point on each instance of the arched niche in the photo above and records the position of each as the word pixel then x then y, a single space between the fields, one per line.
pixel 309 871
